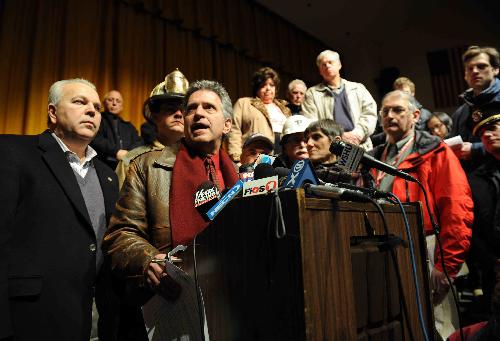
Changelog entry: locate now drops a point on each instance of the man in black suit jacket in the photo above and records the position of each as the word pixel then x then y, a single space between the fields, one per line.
pixel 115 136
pixel 56 199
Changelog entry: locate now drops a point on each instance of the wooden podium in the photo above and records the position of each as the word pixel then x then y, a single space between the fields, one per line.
pixel 317 282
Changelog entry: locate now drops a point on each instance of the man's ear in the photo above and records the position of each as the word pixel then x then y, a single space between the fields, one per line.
pixel 227 126
pixel 495 71
pixel 416 116
pixel 52 113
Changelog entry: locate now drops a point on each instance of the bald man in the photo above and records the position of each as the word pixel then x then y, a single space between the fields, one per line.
pixel 116 136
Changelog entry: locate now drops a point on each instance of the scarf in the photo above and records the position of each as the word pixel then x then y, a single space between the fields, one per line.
pixel 188 173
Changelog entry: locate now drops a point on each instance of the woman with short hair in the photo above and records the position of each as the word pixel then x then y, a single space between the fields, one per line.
pixel 318 136
pixel 263 113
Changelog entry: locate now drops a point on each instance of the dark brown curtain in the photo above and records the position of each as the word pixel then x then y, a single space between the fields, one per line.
pixel 130 45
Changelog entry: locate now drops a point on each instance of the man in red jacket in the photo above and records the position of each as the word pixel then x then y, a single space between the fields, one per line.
pixel 435 165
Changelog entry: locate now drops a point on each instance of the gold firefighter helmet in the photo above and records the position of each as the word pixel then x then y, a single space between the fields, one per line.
pixel 171 90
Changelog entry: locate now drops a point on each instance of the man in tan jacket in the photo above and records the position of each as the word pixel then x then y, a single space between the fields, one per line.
pixel 349 104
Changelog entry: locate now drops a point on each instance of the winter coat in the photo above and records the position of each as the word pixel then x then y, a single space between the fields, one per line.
pixel 250 116
pixel 437 168
pixel 318 104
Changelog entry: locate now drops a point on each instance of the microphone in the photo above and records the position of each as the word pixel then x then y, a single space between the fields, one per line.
pixel 264 158
pixel 300 174
pixel 230 195
pixel 246 172
pixel 282 172
pixel 205 196
pixel 265 181
pixel 334 192
pixel 371 192
pixel 263 170
pixel 350 156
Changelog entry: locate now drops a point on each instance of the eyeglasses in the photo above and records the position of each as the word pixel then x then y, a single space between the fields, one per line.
pixel 397 110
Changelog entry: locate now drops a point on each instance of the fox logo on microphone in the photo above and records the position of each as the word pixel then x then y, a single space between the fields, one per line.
pixel 205 195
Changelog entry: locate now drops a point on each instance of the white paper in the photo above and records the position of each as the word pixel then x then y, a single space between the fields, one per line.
pixel 454 141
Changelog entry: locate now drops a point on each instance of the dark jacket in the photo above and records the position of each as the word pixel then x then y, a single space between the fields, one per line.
pixel 47 243
pixel 282 161
pixel 295 109
pixel 462 122
pixel 424 117
pixel 485 185
pixel 108 141
pixel 485 246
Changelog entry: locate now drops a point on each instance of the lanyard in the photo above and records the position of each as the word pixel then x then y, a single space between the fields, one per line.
pixel 380 174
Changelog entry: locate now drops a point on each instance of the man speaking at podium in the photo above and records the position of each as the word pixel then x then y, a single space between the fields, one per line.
pixel 435 165
pixel 155 211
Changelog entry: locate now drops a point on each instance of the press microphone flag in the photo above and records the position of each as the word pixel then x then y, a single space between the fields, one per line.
pixel 230 195
pixel 260 186
pixel 350 156
pixel 206 196
pixel 300 174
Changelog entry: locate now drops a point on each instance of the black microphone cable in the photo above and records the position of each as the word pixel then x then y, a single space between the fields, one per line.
pixel 201 307
pixel 436 230
pixel 279 227
pixel 396 268
pixel 413 267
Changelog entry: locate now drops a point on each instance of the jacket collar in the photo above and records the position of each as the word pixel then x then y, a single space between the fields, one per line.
pixel 492 93
pixel 166 159
pixel 424 144
pixel 259 105
pixel 109 186
pixel 57 162
pixel 424 147
pixel 348 86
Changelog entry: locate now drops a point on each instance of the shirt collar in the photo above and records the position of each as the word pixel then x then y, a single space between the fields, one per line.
pixel 90 152
pixel 403 141
pixel 340 88
pixel 216 159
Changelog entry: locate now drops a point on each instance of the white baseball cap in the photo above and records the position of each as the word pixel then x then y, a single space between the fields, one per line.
pixel 295 124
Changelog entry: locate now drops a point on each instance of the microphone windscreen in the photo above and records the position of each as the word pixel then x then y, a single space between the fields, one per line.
pixel 246 168
pixel 206 192
pixel 263 170
pixel 281 171
pixel 337 147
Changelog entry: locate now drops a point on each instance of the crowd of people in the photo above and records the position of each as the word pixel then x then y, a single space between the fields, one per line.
pixel 68 236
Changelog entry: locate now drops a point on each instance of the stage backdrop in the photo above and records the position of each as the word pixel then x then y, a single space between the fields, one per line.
pixel 131 45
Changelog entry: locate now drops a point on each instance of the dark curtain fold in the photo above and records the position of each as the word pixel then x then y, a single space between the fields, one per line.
pixel 130 45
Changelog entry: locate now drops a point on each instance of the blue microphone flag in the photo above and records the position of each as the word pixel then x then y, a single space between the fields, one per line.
pixel 300 174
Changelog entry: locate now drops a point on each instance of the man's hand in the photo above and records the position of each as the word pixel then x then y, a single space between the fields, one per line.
pixel 440 286
pixel 162 283
pixel 121 154
pixel 463 151
pixel 351 138
pixel 155 272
